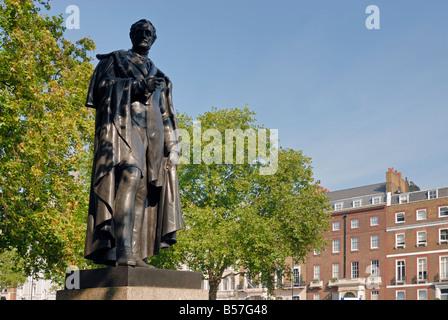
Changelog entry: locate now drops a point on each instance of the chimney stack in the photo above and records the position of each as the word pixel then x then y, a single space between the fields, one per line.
pixel 395 182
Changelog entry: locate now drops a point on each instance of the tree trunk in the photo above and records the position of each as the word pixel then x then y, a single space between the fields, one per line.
pixel 213 291
pixel 213 282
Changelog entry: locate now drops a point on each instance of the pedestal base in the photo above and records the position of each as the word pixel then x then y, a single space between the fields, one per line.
pixel 132 293
pixel 130 283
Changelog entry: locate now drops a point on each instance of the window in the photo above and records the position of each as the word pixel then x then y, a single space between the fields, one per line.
pixel 400 271
pixel 316 296
pixel 376 200
pixel 400 295
pixel 403 198
pixel 316 275
pixel 355 269
pixel 336 245
pixel 443 268
pixel 421 270
pixel 356 203
pixel 374 221
pixel 296 276
pixel 317 252
pixel 399 217
pixel 354 223
pixel 443 212
pixel 432 194
pixel 375 295
pixel 421 214
pixel 400 240
pixel 422 294
pixel 355 243
pixel 335 271
pixel 421 238
pixel 444 294
pixel 336 226
pixel 374 241
pixel 375 268
pixel 338 206
pixel 443 235
pixel 224 284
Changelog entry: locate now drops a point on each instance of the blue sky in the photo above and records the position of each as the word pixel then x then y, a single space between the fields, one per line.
pixel 356 101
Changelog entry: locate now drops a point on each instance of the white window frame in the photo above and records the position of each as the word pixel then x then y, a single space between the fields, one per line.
pixel 335 271
pixel 296 273
pixel 403 198
pixel 224 284
pixel 431 194
pixel 373 240
pixel 399 275
pixel 424 243
pixel 375 295
pixel 443 267
pixel 440 236
pixel 422 269
pixel 400 245
pixel 354 244
pixel 376 200
pixel 336 245
pixel 336 226
pixel 400 291
pixel 355 203
pixel 354 272
pixel 400 213
pixel 443 216
pixel 422 290
pixel 354 224
pixel 417 214
pixel 316 272
pixel 374 221
pixel 375 267
pixel 339 206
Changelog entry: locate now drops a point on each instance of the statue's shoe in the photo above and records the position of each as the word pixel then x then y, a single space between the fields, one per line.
pixel 142 264
pixel 125 258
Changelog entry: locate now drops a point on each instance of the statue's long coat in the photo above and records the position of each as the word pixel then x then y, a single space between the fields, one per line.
pixel 110 93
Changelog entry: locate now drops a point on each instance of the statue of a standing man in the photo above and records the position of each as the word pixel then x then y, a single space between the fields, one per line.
pixel 134 198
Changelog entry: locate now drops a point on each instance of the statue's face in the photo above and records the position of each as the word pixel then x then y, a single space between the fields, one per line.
pixel 142 37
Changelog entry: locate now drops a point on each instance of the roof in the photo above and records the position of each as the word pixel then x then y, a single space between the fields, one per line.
pixel 357 192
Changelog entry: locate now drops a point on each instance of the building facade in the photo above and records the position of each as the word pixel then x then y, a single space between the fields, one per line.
pixel 351 265
pixel 388 241
pixel 417 245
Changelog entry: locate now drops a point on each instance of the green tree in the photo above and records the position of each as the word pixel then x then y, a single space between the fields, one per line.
pixel 236 217
pixel 11 269
pixel 46 137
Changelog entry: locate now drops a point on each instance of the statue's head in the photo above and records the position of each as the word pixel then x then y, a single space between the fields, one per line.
pixel 143 35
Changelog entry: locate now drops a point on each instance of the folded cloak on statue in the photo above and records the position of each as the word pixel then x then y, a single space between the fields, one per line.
pixel 110 93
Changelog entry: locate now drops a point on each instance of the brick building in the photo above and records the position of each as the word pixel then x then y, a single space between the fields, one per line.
pixel 388 241
pixel 350 266
pixel 417 245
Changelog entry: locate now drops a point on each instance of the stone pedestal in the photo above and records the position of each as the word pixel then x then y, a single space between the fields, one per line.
pixel 130 283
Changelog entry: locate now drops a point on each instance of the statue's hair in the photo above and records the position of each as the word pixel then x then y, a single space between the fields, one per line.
pixel 133 27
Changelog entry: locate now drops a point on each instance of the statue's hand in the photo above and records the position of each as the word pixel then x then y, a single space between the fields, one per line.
pixel 152 83
pixel 173 158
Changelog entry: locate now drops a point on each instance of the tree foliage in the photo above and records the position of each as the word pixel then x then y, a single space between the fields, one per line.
pixel 11 269
pixel 46 137
pixel 236 217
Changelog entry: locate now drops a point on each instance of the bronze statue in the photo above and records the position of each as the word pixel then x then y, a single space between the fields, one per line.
pixel 134 205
